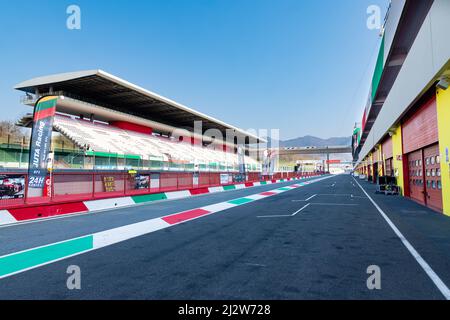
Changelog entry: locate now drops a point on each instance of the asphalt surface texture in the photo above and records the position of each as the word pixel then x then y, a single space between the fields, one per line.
pixel 254 251
pixel 19 237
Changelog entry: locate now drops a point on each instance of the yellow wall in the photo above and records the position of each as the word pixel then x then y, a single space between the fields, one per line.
pixel 380 161
pixel 443 114
pixel 397 149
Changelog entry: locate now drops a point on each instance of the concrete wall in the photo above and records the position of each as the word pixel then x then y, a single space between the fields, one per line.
pixel 391 25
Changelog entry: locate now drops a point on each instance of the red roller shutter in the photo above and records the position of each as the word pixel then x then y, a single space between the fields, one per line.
pixel 416 176
pixel 421 129
pixel 389 167
pixel 375 156
pixel 420 143
pixel 387 148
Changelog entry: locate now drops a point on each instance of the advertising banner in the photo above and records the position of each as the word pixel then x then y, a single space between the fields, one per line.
pixel 333 161
pixel 141 181
pixel 225 178
pixel 40 142
pixel 109 183
pixel 12 186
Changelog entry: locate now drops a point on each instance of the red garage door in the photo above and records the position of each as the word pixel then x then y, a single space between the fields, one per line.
pixel 416 178
pixel 420 143
pixel 421 129
pixel 389 167
pixel 387 148
pixel 376 166
pixel 433 184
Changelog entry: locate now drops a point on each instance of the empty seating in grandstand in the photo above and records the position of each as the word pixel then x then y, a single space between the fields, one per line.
pixel 103 138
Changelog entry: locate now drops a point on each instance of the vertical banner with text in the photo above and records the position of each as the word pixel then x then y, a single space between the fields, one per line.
pixel 241 159
pixel 41 137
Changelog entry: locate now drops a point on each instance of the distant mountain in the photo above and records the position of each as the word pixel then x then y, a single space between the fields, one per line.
pixel 310 141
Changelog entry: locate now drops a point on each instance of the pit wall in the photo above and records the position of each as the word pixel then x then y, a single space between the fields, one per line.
pixel 39 212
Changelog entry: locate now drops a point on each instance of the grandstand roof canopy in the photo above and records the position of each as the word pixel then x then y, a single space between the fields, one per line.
pixel 103 89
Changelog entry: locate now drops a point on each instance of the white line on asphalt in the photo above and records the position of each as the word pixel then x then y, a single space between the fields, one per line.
pixel 255 265
pixel 275 216
pixel 286 215
pixel 358 197
pixel 341 195
pixel 305 200
pixel 334 194
pixel 298 211
pixel 425 266
pixel 333 204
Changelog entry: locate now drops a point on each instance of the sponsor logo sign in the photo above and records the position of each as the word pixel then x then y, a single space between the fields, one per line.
pixel 12 186
pixel 41 137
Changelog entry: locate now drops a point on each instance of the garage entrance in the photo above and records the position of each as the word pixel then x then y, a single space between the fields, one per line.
pixel 433 183
pixel 416 178
pixel 389 167
pixel 375 173
pixel 421 145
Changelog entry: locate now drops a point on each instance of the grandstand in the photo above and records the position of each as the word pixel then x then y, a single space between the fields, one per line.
pixel 111 139
pixel 107 141
pixel 118 125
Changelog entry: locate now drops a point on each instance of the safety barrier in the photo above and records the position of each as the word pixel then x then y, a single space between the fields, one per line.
pixel 70 186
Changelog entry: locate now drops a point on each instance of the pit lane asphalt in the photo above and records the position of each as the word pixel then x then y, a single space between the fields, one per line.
pixel 19 237
pixel 321 253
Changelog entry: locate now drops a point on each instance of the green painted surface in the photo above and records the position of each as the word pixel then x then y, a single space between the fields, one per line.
pixel 34 257
pixel 263 183
pixel 284 189
pixel 240 201
pixel 378 70
pixel 112 155
pixel 149 197
pixel 130 156
pixel 232 187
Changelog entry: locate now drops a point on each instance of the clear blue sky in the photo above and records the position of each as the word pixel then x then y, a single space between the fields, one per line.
pixel 301 66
